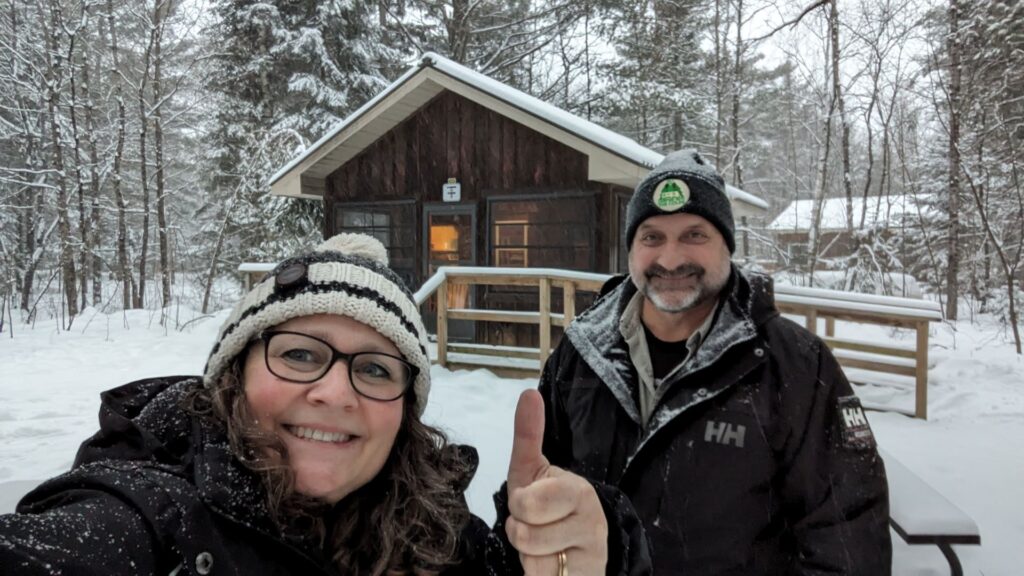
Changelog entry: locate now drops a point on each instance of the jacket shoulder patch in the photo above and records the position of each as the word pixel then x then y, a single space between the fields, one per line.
pixel 853 424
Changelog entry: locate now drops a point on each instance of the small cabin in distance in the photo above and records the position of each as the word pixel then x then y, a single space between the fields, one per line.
pixel 448 167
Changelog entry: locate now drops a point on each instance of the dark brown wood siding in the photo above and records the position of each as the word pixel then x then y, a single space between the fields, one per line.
pixel 492 157
pixel 452 137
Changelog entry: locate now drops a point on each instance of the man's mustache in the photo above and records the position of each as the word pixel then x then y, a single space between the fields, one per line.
pixel 656 270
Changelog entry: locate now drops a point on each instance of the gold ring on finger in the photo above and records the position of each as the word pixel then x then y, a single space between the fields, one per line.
pixel 563 564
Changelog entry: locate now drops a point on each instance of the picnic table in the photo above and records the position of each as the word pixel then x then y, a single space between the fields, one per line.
pixel 923 516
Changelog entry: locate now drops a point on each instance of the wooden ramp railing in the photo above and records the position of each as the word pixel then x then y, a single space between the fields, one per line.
pixel 543 279
pixel 862 360
pixel 865 362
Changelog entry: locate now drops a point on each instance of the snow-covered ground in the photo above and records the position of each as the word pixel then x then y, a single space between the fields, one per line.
pixel 971 449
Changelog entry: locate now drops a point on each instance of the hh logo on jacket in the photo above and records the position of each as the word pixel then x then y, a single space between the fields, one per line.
pixel 853 424
pixel 725 433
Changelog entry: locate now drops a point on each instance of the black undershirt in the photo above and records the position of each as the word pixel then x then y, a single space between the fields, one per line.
pixel 664 355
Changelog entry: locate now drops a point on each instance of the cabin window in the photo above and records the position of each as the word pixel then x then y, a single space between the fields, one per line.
pixel 393 223
pixel 511 238
pixel 550 231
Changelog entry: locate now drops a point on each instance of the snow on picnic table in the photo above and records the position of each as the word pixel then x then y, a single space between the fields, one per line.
pixel 971 450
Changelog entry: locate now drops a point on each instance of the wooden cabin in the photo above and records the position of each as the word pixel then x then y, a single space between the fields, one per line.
pixel 450 167
pixel 888 215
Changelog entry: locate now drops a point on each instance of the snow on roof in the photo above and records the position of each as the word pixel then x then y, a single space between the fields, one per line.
pixel 612 141
pixel 744 196
pixel 603 137
pixel 599 135
pixel 880 209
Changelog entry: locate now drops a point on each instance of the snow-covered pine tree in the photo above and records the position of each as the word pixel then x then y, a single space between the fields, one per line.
pixel 288 73
pixel 659 78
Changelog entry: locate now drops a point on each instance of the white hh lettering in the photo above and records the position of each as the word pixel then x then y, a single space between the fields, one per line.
pixel 725 433
pixel 854 417
pixel 714 431
pixel 735 435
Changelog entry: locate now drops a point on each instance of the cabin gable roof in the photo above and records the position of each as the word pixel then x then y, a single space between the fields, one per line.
pixel 612 157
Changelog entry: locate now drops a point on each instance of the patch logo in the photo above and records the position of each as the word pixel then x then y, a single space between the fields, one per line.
pixel 725 433
pixel 671 194
pixel 853 424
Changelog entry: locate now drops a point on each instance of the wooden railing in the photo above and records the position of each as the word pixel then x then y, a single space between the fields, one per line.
pixel 879 357
pixel 814 304
pixel 544 279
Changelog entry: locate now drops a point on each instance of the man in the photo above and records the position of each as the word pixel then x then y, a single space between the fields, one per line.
pixel 733 431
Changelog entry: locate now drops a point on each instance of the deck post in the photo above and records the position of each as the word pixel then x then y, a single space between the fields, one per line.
pixel 545 320
pixel 812 320
pixel 568 302
pixel 830 327
pixel 921 377
pixel 442 323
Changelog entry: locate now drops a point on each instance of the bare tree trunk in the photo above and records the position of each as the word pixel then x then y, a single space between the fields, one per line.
pixel 586 59
pixel 870 138
pixel 26 244
pixel 216 256
pixel 160 12
pixel 53 79
pixel 719 82
pixel 737 86
pixel 820 186
pixel 140 296
pixel 124 272
pixel 791 155
pixel 76 136
pixel 93 243
pixel 458 32
pixel 29 147
pixel 953 239
pixel 885 188
pixel 677 129
pixel 32 255
pixel 837 95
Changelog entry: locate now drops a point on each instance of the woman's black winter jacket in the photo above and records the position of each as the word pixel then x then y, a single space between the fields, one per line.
pixel 157 491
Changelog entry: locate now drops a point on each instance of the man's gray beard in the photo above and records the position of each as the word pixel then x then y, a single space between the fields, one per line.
pixel 700 295
pixel 695 298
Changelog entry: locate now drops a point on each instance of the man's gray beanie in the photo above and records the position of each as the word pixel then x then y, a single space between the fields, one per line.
pixel 682 183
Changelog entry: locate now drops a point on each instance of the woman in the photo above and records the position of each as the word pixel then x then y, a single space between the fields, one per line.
pixel 299 451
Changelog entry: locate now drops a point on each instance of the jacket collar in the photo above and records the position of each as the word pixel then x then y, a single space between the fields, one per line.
pixel 596 336
pixel 144 421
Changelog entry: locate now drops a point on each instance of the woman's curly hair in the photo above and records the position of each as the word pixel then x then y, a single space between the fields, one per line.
pixel 407 520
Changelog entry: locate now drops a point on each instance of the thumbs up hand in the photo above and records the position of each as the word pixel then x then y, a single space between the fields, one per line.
pixel 552 510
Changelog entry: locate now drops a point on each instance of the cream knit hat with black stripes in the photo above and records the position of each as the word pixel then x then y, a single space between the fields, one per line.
pixel 347 275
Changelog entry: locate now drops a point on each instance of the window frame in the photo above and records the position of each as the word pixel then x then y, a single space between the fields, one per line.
pixel 589 197
pixel 388 207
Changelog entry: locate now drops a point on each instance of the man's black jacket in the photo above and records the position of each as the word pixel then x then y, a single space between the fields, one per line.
pixel 757 459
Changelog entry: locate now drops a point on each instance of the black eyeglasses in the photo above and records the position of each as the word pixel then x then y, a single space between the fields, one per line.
pixel 304 359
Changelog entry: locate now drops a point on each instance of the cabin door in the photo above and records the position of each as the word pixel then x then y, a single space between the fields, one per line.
pixel 450 233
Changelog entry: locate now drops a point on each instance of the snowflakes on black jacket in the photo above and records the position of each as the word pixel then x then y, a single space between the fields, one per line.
pixel 157 491
pixel 757 459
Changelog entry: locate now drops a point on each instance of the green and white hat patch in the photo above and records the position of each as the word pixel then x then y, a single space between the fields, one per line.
pixel 671 194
